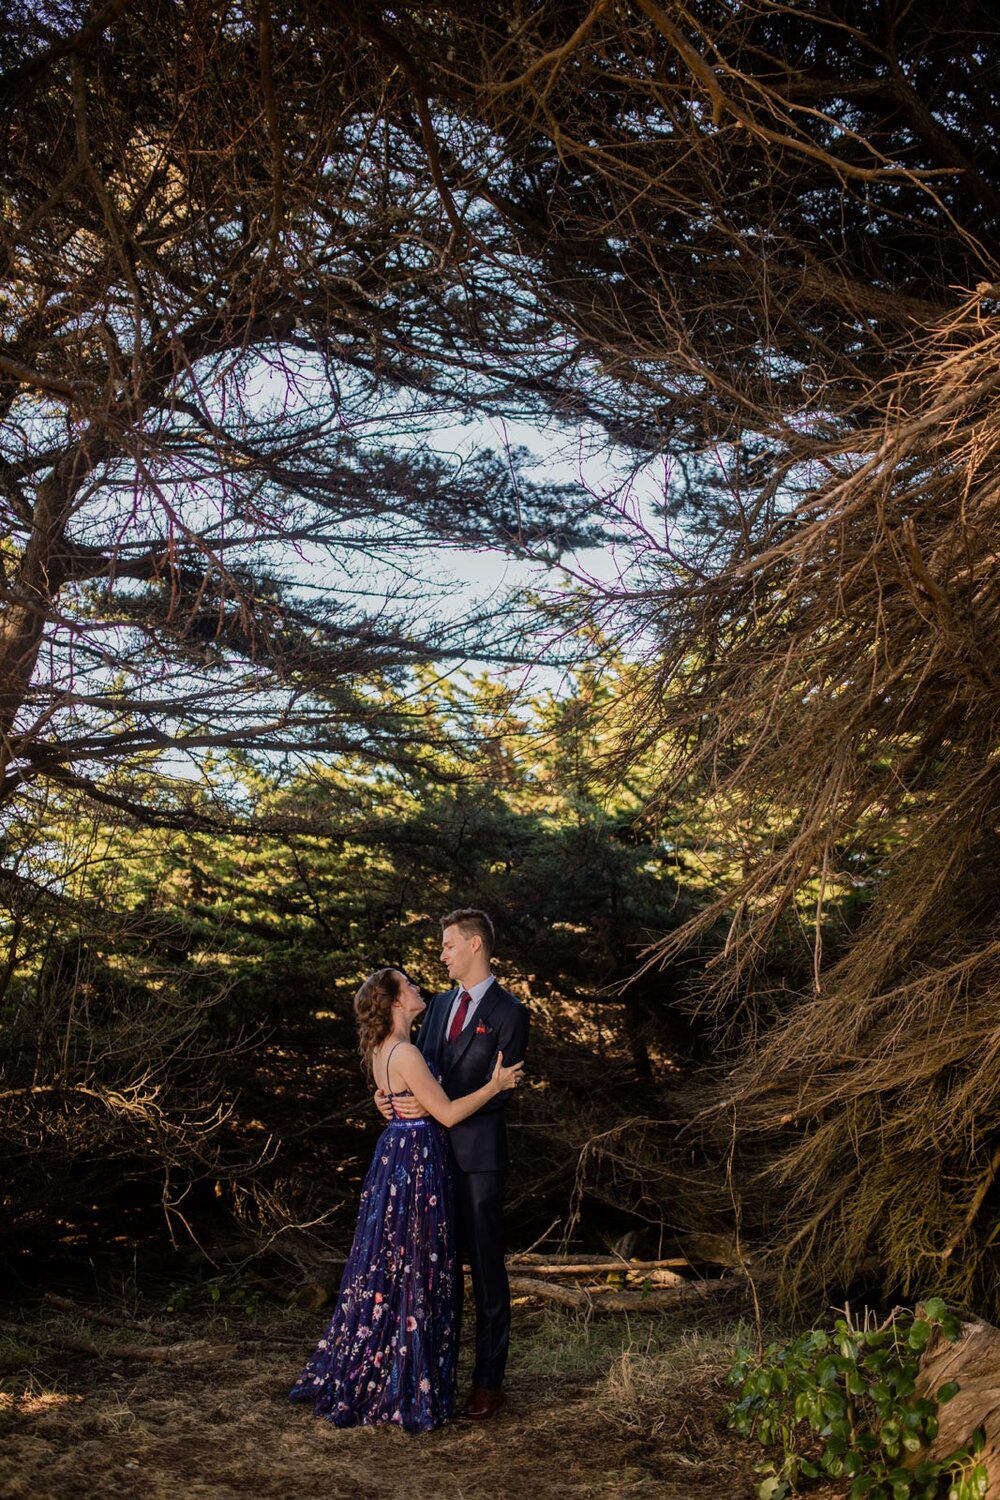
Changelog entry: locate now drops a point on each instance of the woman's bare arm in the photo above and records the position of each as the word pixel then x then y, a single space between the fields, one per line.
pixel 408 1063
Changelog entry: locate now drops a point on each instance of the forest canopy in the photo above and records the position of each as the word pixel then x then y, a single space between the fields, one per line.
pixel 255 260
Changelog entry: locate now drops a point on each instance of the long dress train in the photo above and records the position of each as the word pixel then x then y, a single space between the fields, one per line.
pixel 389 1351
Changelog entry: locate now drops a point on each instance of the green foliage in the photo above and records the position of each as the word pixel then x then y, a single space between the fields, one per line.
pixel 349 865
pixel 218 1293
pixel 843 1404
pixel 162 965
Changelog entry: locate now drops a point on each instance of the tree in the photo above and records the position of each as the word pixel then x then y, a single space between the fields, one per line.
pixel 773 228
pixel 797 210
pixel 753 242
pixel 232 315
pixel 176 1004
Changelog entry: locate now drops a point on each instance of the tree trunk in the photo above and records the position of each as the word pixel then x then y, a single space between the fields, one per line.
pixel 974 1363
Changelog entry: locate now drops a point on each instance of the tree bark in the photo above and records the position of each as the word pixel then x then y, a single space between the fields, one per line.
pixel 613 1300
pixel 973 1362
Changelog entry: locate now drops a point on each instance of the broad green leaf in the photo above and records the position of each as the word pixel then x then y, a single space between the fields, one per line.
pixel 918 1335
pixel 773 1488
pixel 935 1308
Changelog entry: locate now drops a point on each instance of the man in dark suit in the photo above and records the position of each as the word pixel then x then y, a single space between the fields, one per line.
pixel 462 1031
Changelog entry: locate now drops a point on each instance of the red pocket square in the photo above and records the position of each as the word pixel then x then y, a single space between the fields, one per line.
pixel 482 1029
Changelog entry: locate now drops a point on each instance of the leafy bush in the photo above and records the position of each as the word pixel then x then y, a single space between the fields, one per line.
pixel 227 1292
pixel 843 1404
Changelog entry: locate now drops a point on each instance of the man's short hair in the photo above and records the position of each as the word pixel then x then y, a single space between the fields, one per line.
pixel 471 922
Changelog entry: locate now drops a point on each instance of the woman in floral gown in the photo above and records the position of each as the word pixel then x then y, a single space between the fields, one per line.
pixel 389 1352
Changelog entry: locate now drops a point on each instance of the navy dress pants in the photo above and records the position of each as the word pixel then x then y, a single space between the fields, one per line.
pixel 479 1202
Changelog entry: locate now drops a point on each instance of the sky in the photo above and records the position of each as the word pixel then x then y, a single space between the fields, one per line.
pixel 580 457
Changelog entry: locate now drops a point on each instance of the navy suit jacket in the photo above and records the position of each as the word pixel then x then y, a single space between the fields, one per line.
pixel 499 1023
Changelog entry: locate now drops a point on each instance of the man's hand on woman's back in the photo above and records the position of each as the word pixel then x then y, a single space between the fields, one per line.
pixel 407 1108
pixel 383 1104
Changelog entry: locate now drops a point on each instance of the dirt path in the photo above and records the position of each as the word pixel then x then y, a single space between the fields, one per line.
pixel 602 1411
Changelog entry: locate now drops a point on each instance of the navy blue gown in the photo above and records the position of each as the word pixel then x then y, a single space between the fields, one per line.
pixel 389 1352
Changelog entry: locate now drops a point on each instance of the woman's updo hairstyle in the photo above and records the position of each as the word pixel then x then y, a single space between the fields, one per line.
pixel 373 1008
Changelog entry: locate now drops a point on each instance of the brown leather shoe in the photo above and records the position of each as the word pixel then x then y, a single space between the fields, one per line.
pixel 482 1404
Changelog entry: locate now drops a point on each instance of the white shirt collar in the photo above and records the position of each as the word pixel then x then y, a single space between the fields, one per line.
pixel 475 995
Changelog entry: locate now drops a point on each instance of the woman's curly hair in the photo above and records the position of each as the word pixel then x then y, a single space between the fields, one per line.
pixel 373 1009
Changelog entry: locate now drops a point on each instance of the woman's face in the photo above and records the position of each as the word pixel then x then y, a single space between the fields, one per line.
pixel 409 998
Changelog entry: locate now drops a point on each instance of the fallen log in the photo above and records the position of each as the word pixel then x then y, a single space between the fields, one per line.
pixel 658 1272
pixel 251 1340
pixel 643 1273
pixel 108 1319
pixel 615 1300
pixel 641 1282
pixel 191 1351
pixel 676 1296
pixel 556 1263
pixel 973 1362
pixel 92 1315
pixel 550 1291
pixel 77 1343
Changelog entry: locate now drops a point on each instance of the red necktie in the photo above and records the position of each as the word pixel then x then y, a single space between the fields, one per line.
pixel 455 1029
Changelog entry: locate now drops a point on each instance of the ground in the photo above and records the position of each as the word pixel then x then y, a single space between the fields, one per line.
pixel 604 1409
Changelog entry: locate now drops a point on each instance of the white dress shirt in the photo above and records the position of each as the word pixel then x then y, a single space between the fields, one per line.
pixel 476 991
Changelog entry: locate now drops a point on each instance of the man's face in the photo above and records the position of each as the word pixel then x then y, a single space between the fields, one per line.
pixel 458 952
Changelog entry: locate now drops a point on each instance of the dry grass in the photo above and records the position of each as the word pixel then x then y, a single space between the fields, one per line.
pixel 595 1410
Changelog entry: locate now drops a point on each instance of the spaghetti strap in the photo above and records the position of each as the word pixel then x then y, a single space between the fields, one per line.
pixel 387 1062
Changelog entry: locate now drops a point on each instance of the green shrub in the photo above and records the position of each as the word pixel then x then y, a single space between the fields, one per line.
pixel 842 1404
pixel 227 1292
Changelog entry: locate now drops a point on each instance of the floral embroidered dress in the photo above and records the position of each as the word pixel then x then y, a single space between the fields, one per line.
pixel 389 1352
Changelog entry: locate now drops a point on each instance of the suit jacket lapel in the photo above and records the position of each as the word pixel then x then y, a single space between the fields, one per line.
pixel 481 1014
pixel 435 1025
